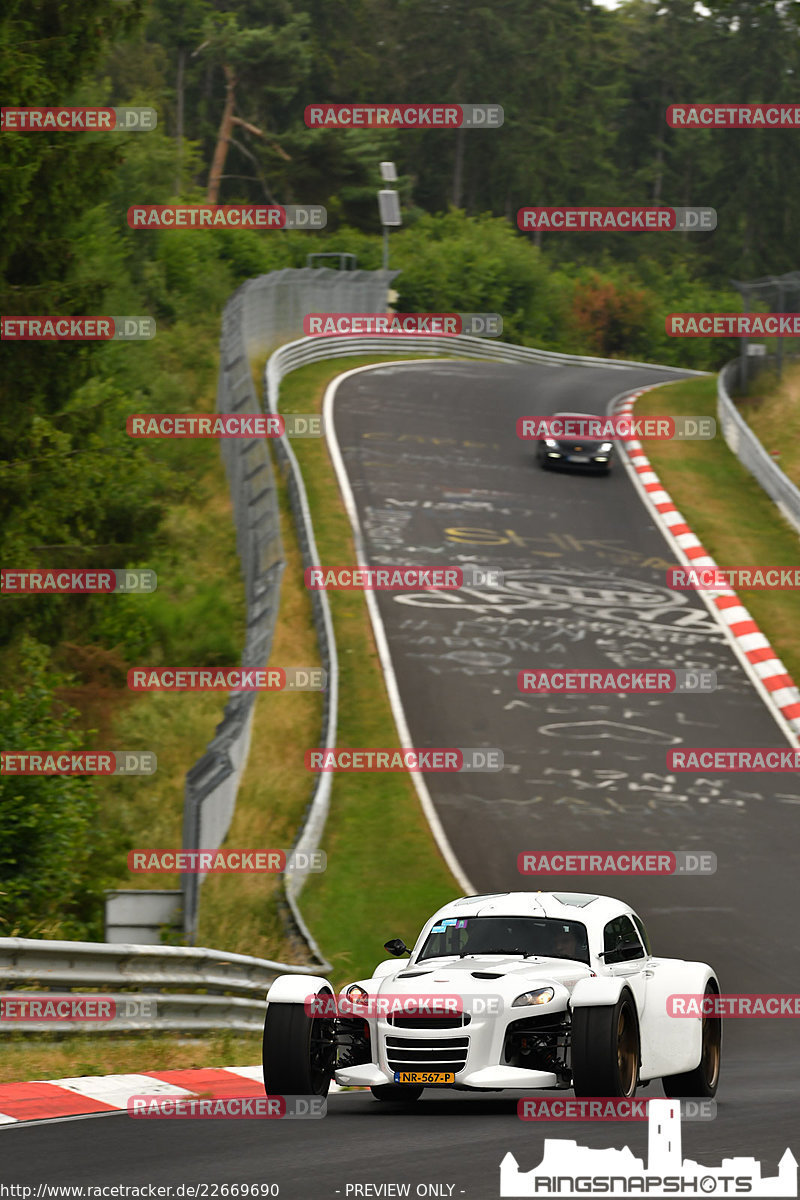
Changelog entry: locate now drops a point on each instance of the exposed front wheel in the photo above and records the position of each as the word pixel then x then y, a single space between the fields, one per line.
pixel 703 1080
pixel 396 1092
pixel 605 1049
pixel 298 1051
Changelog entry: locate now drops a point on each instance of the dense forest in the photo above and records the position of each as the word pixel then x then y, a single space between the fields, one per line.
pixel 584 91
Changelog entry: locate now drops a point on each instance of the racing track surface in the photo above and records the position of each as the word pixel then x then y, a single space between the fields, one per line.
pixel 439 476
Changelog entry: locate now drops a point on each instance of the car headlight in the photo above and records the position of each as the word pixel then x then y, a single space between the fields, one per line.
pixel 540 996
pixel 550 442
pixel 607 446
pixel 356 994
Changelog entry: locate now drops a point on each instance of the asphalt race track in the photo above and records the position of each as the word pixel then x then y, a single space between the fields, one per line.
pixel 440 478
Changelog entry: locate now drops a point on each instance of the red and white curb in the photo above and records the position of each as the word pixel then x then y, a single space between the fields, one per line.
pixel 754 651
pixel 46 1099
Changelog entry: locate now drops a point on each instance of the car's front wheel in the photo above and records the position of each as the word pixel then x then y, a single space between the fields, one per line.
pixel 298 1051
pixel 605 1049
pixel 703 1080
pixel 396 1092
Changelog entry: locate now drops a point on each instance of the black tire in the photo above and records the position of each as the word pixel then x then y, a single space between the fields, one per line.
pixel 298 1052
pixel 605 1049
pixel 703 1081
pixel 397 1093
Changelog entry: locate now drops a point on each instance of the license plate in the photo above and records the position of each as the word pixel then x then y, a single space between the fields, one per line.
pixel 424 1077
pixel 579 458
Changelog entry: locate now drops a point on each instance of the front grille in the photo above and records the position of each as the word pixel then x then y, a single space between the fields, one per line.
pixel 427 1054
pixel 454 1021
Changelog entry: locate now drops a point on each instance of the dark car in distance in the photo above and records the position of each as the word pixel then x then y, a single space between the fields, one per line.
pixel 585 454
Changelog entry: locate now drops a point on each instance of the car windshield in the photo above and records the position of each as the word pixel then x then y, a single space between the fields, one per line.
pixel 545 936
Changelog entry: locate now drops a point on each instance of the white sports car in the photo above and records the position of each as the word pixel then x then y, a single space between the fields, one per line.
pixel 516 990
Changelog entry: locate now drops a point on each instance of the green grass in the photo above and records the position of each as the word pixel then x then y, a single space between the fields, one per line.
pixel 727 509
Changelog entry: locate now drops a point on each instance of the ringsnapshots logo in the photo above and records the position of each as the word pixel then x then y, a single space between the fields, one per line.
pixel 569 1169
pixel 77 329
pixel 223 425
pixel 21 582
pixel 576 682
pixel 78 120
pixel 474 758
pixel 235 1108
pixel 399 578
pixel 227 216
pixel 720 579
pixel 20 1009
pixel 78 762
pixel 226 861
pixel 735 759
pixel 404 116
pixel 618 427
pixel 402 324
pixel 235 679
pixel 736 325
pixel 733 116
pixel 615 218
pixel 605 1108
pixel 617 862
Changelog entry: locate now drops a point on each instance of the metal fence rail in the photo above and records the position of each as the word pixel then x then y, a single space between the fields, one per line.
pixel 174 987
pixel 748 449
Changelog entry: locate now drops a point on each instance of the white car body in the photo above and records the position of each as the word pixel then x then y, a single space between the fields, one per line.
pixel 478 1052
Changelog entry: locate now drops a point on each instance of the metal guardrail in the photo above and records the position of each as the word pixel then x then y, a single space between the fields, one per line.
pixel 261 314
pixel 748 449
pixel 215 990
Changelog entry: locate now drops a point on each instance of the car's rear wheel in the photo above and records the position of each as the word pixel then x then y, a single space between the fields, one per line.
pixel 298 1051
pixel 397 1093
pixel 702 1082
pixel 605 1049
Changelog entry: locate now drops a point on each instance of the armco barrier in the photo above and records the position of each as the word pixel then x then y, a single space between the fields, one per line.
pixel 260 315
pixel 748 449
pixel 192 988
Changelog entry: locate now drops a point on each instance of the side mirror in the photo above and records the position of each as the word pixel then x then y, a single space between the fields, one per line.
pixel 396 947
pixel 624 952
